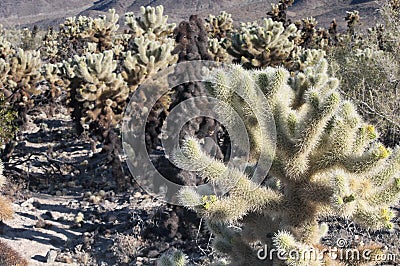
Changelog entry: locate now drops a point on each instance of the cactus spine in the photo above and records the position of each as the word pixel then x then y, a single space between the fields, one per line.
pixel 262 45
pixel 328 161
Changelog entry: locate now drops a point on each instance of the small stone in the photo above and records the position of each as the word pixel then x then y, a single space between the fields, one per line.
pixel 102 193
pixel 79 218
pixel 40 224
pixel 58 193
pixel 51 256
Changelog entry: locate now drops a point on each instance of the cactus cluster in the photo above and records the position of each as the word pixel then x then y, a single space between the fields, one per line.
pixel 152 19
pixel 219 30
pixel 219 26
pixel 269 44
pixel 327 162
pixel 56 85
pixel 102 31
pixel 20 72
pixel 278 11
pixel 5 47
pixel 98 94
pixel 353 19
pixel 147 56
pixel 101 80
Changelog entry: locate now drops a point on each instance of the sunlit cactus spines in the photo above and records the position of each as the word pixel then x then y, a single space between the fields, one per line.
pixel 278 11
pixel 301 58
pixel 175 258
pixel 98 94
pixel 151 20
pixel 219 30
pixel 6 47
pixel 149 45
pixel 20 72
pixel 263 45
pixel 353 19
pixel 147 56
pixel 102 30
pixel 219 26
pixel 328 161
pixel 73 26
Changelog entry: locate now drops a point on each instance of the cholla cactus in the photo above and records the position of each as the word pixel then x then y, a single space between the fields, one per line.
pixel 52 74
pixel 70 40
pixel 29 39
pixel 327 161
pixel 102 30
pixel 218 51
pixel 148 55
pixel 219 30
pixel 150 49
pixel 6 48
pixel 20 73
pixel 73 27
pixel 151 20
pixel 98 94
pixel 311 37
pixel 176 258
pixel 279 11
pixel 219 26
pixel 353 19
pixel 50 46
pixel 261 46
pixel 150 45
pixel 301 58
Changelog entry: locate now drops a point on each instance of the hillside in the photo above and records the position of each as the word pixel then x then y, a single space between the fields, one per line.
pixel 52 12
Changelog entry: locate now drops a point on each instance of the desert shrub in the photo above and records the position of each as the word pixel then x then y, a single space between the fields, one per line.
pixel 368 67
pixel 8 128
